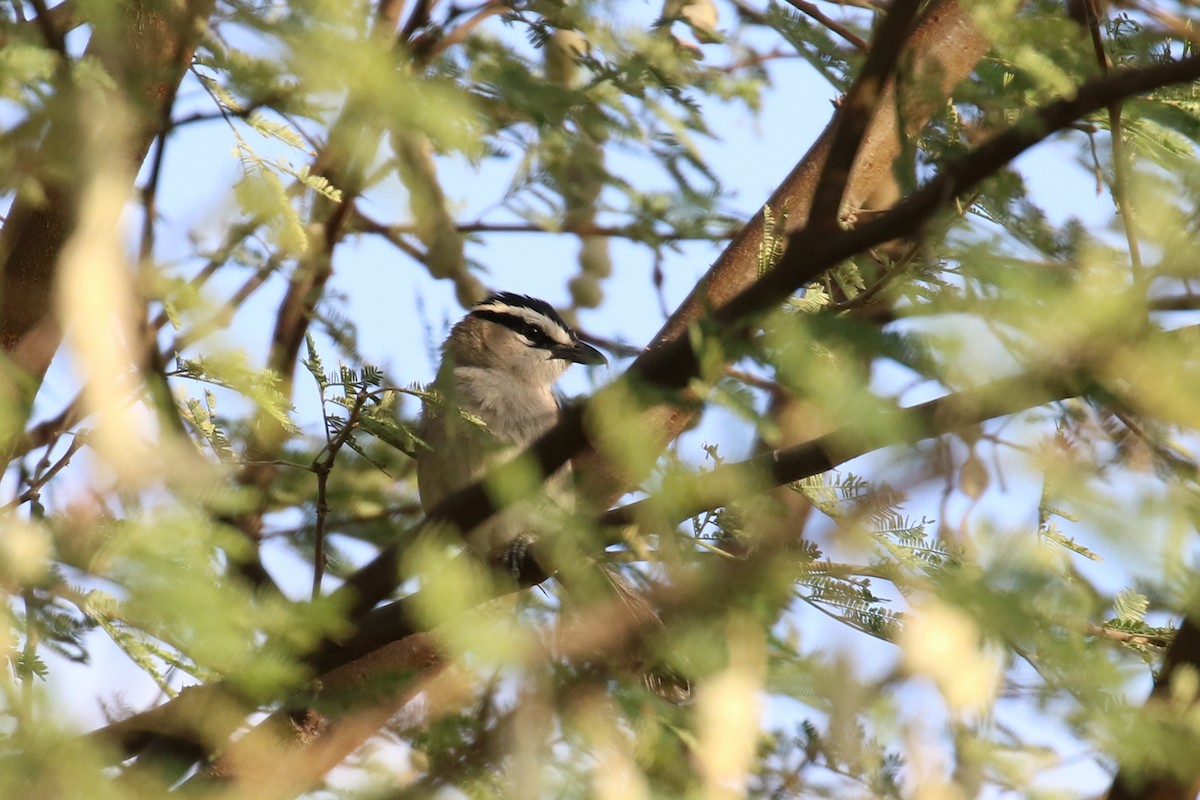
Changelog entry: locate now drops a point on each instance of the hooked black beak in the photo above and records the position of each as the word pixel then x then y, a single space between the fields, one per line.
pixel 580 353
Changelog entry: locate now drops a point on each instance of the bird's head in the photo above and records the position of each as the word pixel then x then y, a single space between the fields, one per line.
pixel 518 335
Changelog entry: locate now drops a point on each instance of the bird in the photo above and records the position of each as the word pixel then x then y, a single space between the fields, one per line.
pixel 492 396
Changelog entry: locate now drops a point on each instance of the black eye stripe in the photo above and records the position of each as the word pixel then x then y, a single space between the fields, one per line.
pixel 527 329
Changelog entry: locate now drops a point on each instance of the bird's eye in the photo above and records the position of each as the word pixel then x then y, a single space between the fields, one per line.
pixel 531 332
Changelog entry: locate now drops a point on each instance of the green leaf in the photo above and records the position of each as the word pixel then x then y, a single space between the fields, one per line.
pixel 1131 606
pixel 1052 534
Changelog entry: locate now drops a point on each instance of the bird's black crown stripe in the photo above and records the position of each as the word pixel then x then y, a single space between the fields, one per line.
pixel 525 301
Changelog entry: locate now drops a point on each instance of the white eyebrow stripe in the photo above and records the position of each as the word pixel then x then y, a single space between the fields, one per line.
pixel 552 328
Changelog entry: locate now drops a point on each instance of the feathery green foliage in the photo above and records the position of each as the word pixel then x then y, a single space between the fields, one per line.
pixel 873 592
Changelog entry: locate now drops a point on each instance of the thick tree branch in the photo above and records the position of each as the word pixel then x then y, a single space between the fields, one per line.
pixel 147 57
pixel 732 482
pixel 376 645
pixel 672 365
pixel 858 108
pixel 727 483
pixel 942 51
pixel 609 630
pixel 1184 783
pixel 391 623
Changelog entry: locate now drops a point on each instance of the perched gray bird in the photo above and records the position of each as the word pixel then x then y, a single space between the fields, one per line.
pixel 495 383
pixel 495 388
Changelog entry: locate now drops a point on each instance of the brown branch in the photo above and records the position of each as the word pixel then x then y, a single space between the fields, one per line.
pixel 1121 162
pixel 729 482
pixel 942 51
pixel 147 61
pixel 755 60
pixel 61 19
pixel 51 31
pixel 383 630
pixel 602 632
pixel 672 365
pixel 367 225
pixel 1131 637
pixel 322 464
pixel 1183 782
pixel 150 192
pixel 832 24
pixel 862 104
pixel 45 472
pixel 47 431
pixel 431 45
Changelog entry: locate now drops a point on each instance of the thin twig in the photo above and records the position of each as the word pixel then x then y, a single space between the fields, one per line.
pixel 889 277
pixel 62 18
pixel 1131 637
pixel 391 512
pixel 433 44
pixel 1120 157
pixel 808 254
pixel 321 466
pixel 1183 467
pixel 618 349
pixel 951 412
pixel 830 23
pixel 150 197
pixel 898 269
pixel 365 224
pixel 756 381
pixel 883 572
pixel 40 479
pixel 755 60
pixel 220 320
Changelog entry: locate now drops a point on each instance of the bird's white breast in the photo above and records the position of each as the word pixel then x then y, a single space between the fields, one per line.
pixel 514 413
